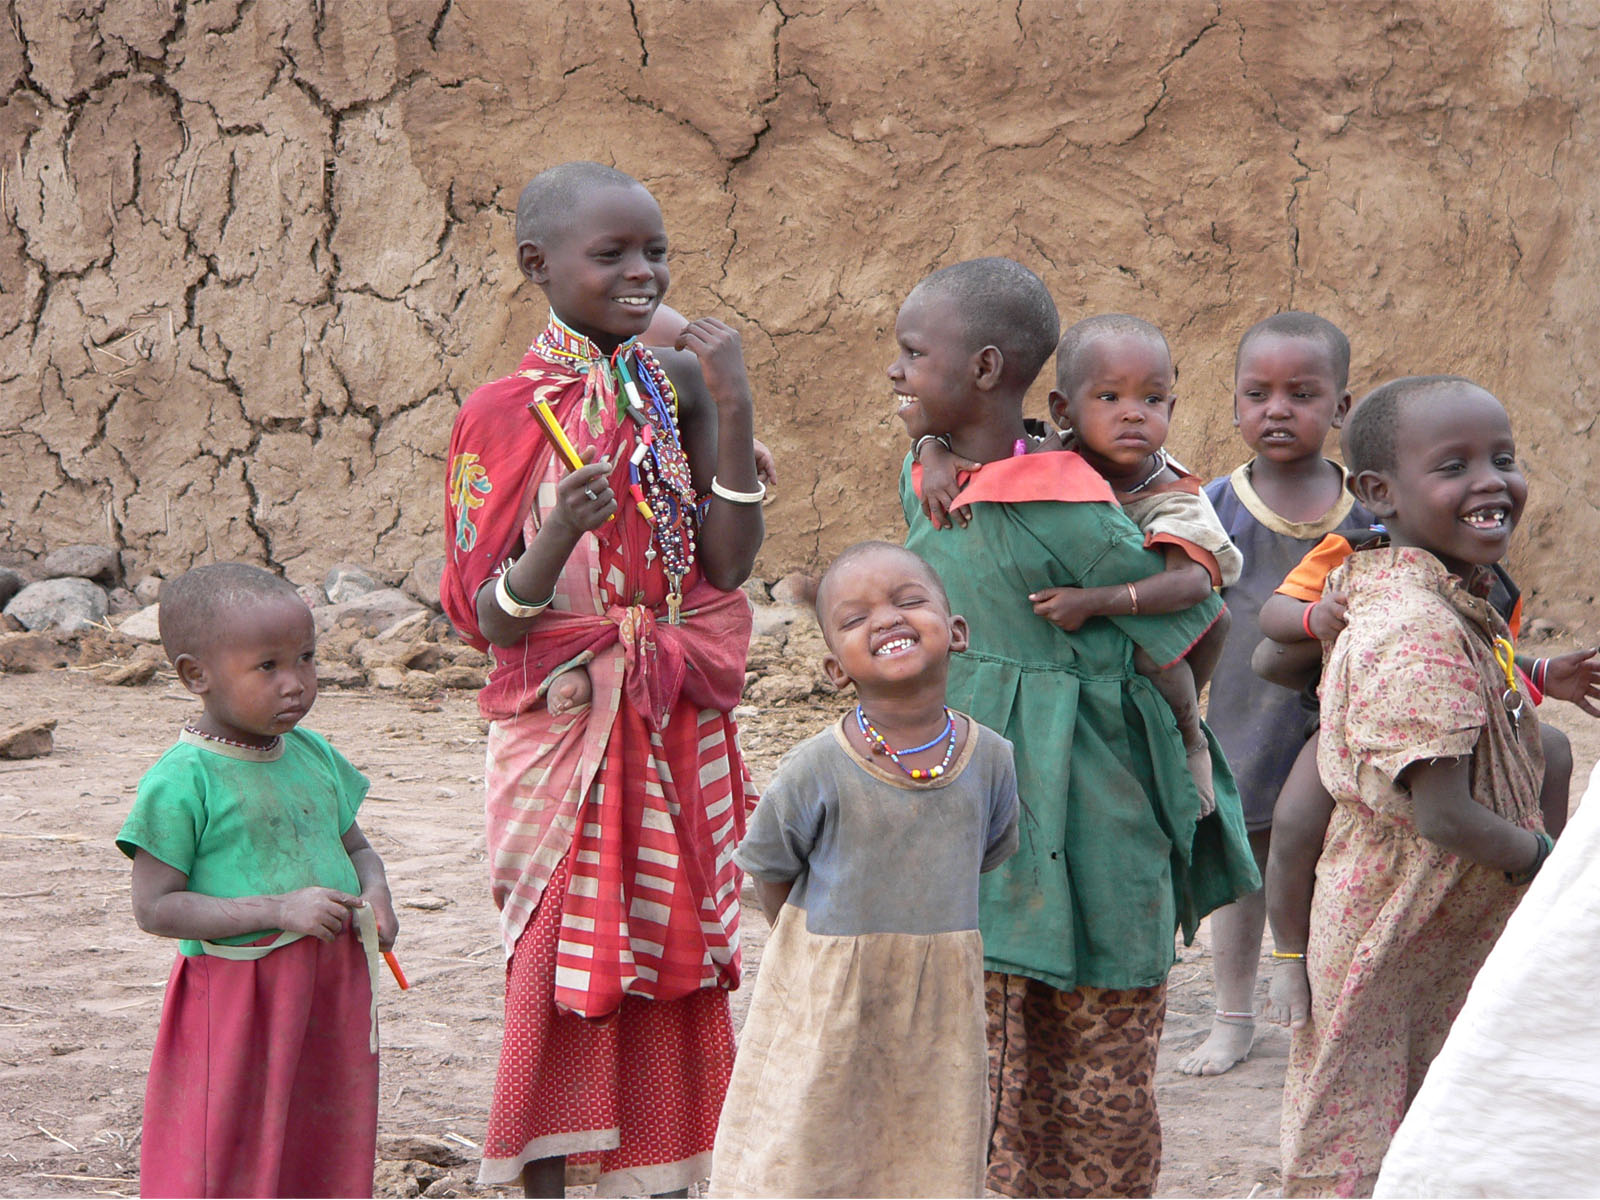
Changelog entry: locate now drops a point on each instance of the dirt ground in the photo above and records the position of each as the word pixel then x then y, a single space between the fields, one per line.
pixel 81 986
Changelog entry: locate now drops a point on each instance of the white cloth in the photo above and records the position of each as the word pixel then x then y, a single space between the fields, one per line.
pixel 1511 1107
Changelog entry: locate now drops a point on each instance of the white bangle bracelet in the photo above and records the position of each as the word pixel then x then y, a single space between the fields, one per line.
pixel 733 497
pixel 513 607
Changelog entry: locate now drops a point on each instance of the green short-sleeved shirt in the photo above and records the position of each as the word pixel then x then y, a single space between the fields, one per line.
pixel 242 822
pixel 1113 856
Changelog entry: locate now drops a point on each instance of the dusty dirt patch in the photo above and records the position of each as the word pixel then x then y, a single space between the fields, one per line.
pixel 82 986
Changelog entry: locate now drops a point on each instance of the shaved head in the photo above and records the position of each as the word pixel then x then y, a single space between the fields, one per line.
pixel 1072 355
pixel 893 559
pixel 1002 304
pixel 553 196
pixel 204 604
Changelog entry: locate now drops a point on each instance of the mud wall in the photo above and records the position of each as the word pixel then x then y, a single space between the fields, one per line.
pixel 254 254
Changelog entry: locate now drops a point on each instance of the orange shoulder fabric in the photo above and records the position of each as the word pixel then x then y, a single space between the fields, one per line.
pixel 1310 575
pixel 1051 475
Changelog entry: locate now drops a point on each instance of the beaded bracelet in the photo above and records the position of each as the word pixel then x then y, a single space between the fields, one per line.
pixel 1293 955
pixel 1518 878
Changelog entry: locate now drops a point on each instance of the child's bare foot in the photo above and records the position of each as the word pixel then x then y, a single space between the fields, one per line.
pixel 1199 760
pixel 1289 994
pixel 570 690
pixel 1229 1044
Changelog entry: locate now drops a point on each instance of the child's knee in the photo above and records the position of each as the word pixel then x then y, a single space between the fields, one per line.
pixel 1557 752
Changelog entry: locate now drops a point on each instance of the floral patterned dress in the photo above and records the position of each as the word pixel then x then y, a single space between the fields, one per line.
pixel 1399 926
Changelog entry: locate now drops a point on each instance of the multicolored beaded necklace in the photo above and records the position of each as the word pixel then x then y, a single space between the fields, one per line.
pixel 880 746
pixel 272 742
pixel 659 478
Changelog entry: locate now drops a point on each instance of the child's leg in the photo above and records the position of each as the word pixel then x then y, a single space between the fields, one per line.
pixel 569 690
pixel 1553 796
pixel 545 1176
pixel 1177 687
pixel 1299 826
pixel 1235 952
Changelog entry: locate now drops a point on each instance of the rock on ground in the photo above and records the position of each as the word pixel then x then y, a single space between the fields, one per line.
pixel 100 563
pixel 65 604
pixel 34 739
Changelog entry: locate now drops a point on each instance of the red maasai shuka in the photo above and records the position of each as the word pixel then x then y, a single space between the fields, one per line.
pixel 645 788
pixel 263 1082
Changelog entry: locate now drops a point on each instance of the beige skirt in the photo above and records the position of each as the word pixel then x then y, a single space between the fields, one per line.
pixel 861 1070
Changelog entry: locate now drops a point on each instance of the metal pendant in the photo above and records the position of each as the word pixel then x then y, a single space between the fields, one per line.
pixel 1511 700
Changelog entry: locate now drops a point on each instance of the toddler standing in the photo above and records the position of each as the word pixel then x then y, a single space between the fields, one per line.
pixel 862 1064
pixel 1290 391
pixel 1433 760
pixel 245 845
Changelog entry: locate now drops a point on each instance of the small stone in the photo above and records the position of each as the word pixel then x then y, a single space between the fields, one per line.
pixel 11 582
pixel 1539 630
pixel 422 656
pixel 423 580
pixel 427 904
pixel 412 626
pixel 127 674
pixel 379 610
pixel 100 563
pixel 419 685
pixel 392 1179
pixel 460 678
pixel 420 1146
pixel 757 590
pixel 120 600
pixel 312 594
pixel 387 678
pixel 148 589
pixel 779 689
pixel 143 625
pixel 470 656
pixel 25 653
pixel 340 675
pixel 346 582
pixel 796 588
pixel 65 604
pixel 31 740
pixel 441 1187
pixel 774 620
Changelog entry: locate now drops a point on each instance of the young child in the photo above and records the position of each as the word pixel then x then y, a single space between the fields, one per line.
pixel 1113 404
pixel 245 845
pixel 1290 391
pixel 1433 759
pixel 862 1065
pixel 1301 616
pixel 613 815
pixel 1113 854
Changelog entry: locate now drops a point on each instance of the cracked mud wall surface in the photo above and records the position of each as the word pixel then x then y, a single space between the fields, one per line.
pixel 254 254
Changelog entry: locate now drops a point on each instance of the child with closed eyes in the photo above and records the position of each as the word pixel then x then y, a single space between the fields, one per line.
pixel 862 1066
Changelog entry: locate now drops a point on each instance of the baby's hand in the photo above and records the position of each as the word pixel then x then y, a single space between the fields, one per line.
pixel 1289 995
pixel 766 465
pixel 1065 607
pixel 569 690
pixel 1329 616
pixel 1575 677
pixel 318 911
pixel 940 468
pixel 382 905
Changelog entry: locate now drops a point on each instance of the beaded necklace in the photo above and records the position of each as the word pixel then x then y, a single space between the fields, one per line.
pixel 659 478
pixel 880 746
pixel 271 745
pixel 1161 465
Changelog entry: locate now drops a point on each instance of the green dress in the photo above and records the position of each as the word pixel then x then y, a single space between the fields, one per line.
pixel 1112 857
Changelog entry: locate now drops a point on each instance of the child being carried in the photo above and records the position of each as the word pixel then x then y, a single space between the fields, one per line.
pixel 1113 402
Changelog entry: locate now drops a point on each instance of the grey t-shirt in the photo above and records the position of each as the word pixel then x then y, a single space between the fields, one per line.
pixel 872 851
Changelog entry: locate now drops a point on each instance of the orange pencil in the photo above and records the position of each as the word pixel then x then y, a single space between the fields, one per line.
pixel 394 967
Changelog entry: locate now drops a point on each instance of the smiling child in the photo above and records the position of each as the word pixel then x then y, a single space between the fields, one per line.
pixel 861 1068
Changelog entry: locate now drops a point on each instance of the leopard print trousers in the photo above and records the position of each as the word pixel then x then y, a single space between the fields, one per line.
pixel 1072 1084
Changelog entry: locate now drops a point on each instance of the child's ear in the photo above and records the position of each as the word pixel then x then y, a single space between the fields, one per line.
pixel 192 674
pixel 834 670
pixel 1340 411
pixel 1058 409
pixel 531 261
pixel 1372 489
pixel 959 635
pixel 987 366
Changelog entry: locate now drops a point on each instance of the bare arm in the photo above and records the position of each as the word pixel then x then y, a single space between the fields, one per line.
pixel 163 905
pixel 1291 666
pixel 1283 618
pixel 1447 815
pixel 1183 584
pixel 772 896
pixel 717 421
pixel 374 883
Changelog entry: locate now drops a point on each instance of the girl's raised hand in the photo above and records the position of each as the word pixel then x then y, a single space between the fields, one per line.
pixel 584 499
pixel 1575 677
pixel 716 344
pixel 316 911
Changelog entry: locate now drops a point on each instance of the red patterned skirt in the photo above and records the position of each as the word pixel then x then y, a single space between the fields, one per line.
pixel 263 1082
pixel 635 1094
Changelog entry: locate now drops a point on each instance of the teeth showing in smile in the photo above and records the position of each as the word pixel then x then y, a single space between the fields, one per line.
pixel 904 400
pixel 1486 518
pixel 893 646
pixel 635 301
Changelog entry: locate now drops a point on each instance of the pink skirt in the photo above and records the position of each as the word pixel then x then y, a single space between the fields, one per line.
pixel 262 1083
